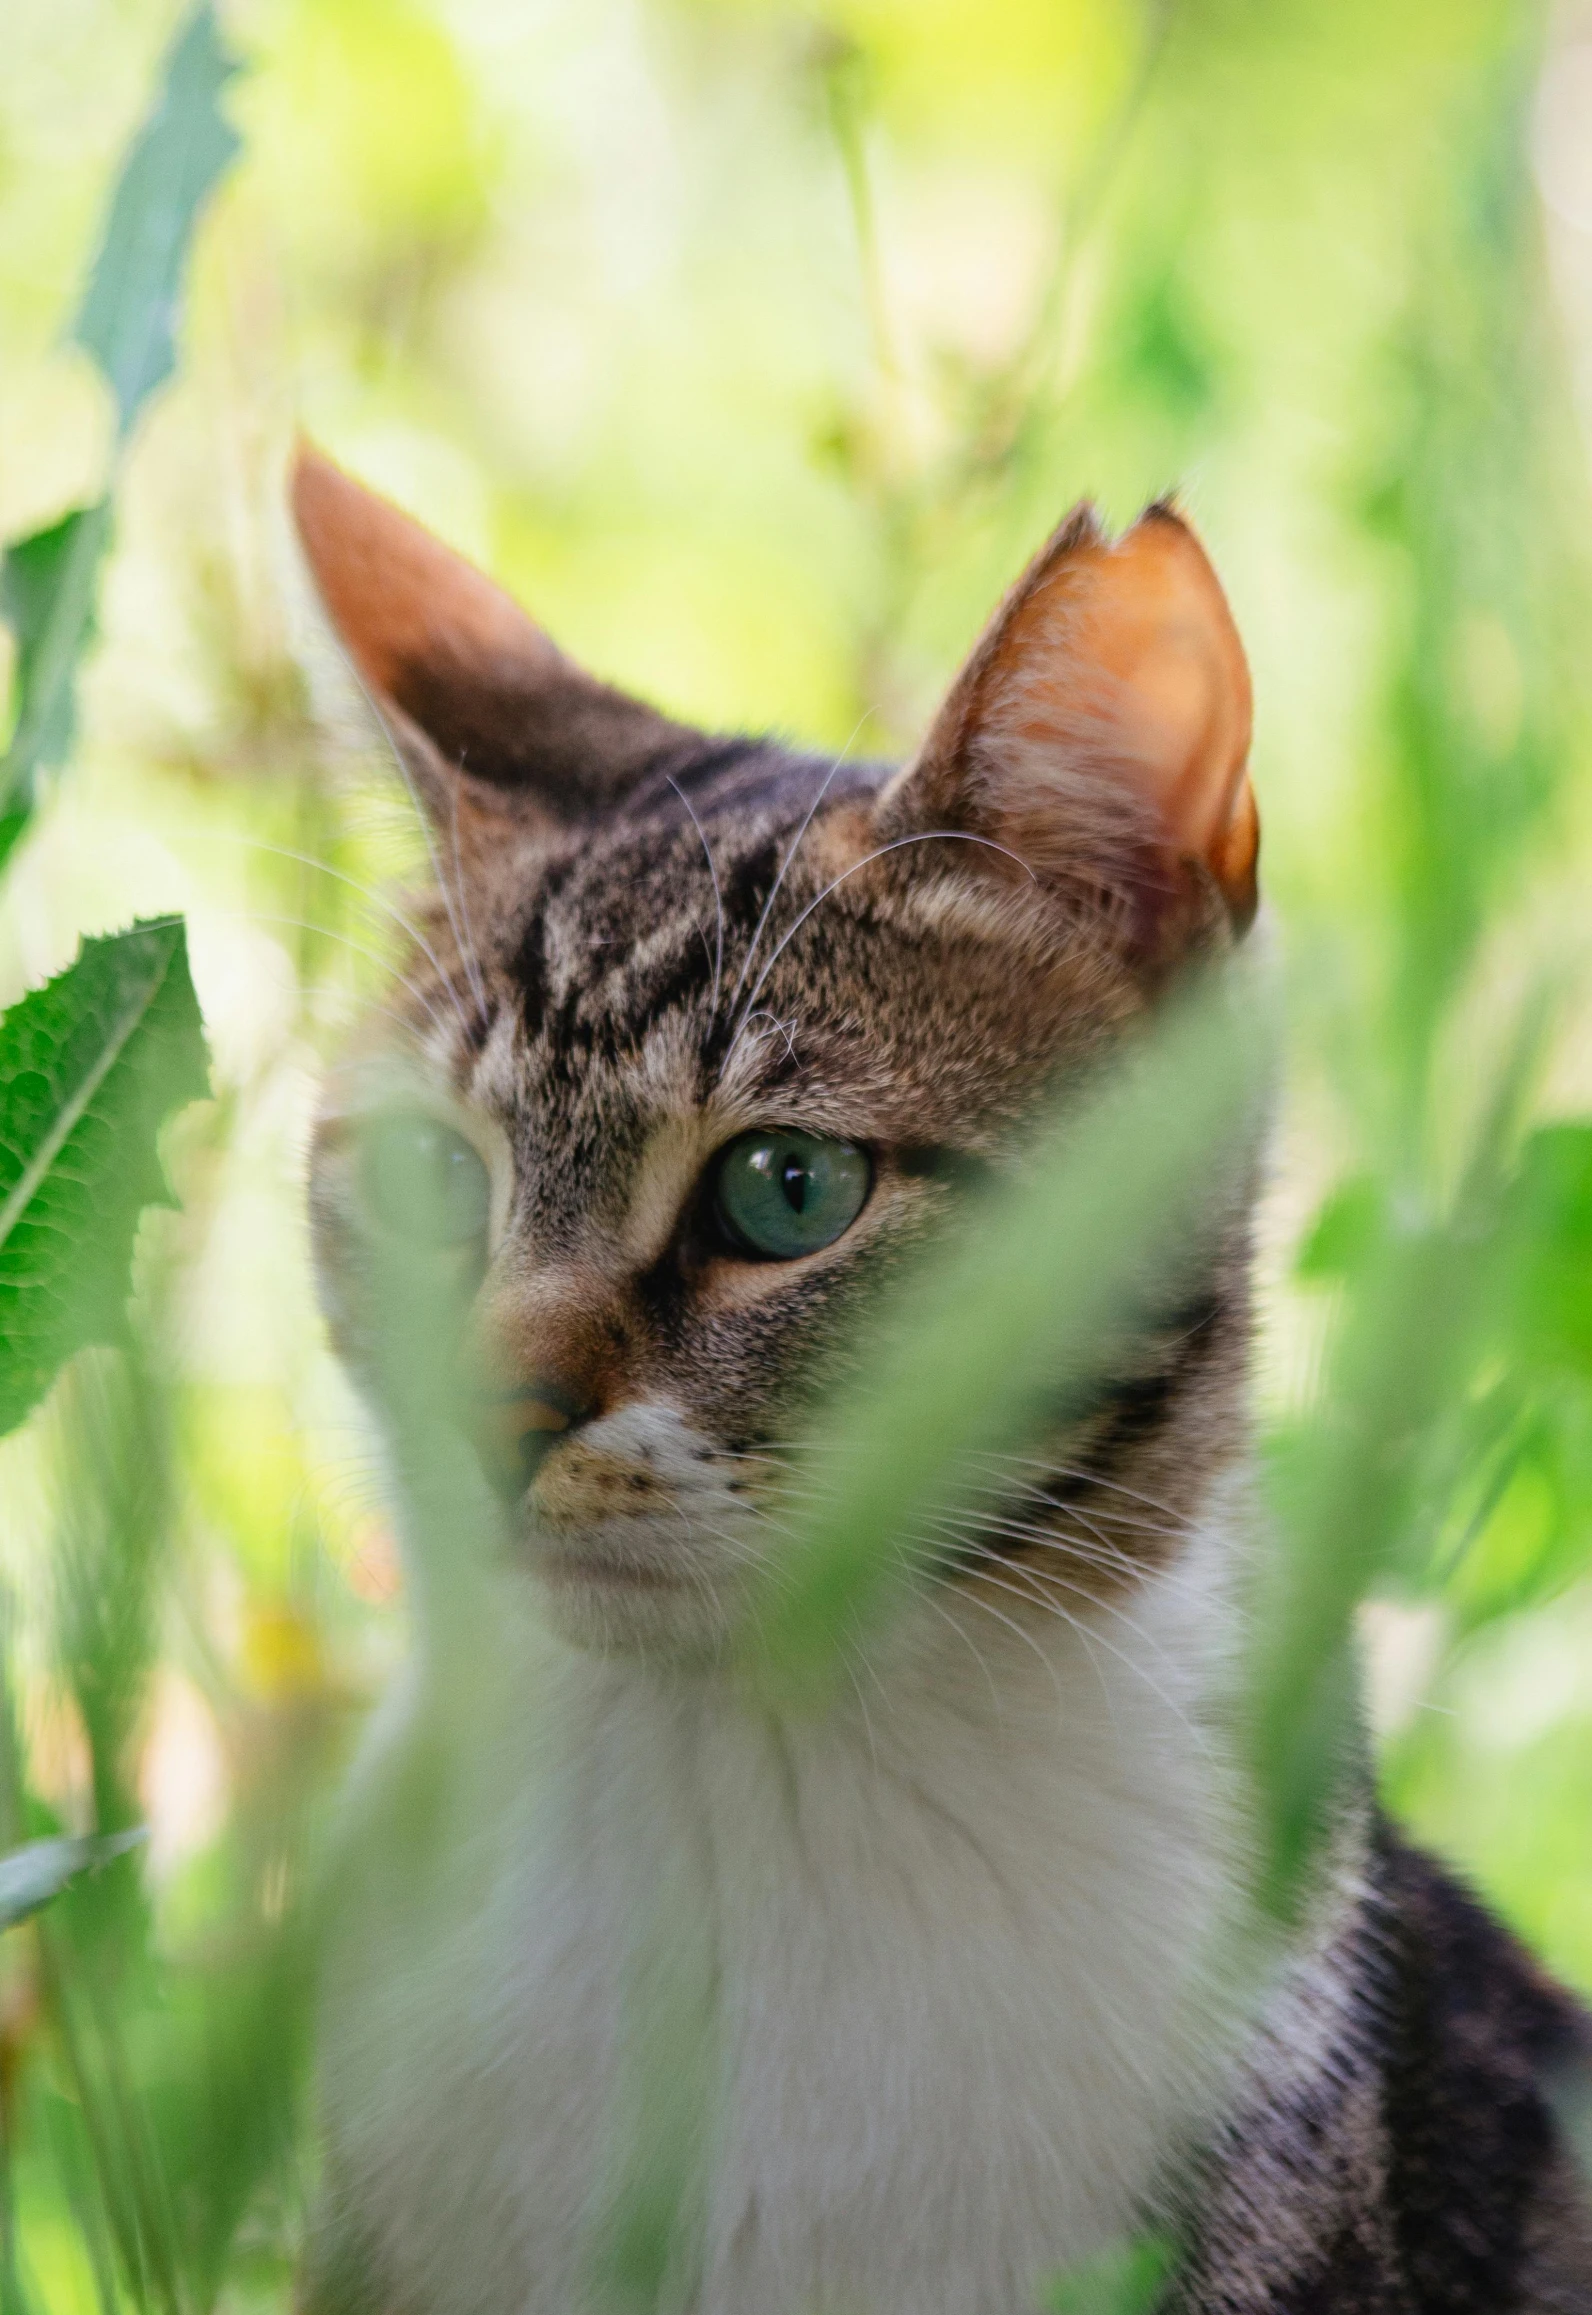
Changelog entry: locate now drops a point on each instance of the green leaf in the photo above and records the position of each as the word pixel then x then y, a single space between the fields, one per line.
pixel 129 312
pixel 1345 1234
pixel 89 1067
pixel 1127 2279
pixel 127 321
pixel 47 590
pixel 31 1876
pixel 982 1347
pixel 1551 1219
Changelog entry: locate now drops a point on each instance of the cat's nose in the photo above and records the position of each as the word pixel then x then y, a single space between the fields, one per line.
pixel 514 1429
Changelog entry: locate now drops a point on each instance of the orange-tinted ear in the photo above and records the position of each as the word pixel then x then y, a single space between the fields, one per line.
pixel 485 708
pixel 1101 729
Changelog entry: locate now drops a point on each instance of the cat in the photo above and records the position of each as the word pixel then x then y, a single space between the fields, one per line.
pixel 699 1039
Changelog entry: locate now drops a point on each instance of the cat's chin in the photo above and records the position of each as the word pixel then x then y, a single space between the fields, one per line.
pixel 618 1590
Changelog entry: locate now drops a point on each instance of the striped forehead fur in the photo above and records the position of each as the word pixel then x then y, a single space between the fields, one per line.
pixel 753 929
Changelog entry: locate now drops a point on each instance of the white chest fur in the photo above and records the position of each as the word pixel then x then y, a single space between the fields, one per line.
pixel 956 1935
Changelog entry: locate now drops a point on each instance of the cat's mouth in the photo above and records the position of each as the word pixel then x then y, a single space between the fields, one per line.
pixel 584 1561
pixel 635 1586
pixel 636 1537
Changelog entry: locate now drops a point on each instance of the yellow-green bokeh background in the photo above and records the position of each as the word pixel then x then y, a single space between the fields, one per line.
pixel 754 345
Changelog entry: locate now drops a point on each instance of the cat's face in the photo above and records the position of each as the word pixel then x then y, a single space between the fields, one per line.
pixel 702 1038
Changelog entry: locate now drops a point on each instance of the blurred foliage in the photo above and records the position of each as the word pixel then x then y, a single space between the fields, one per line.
pixel 755 344
pixel 126 323
pixel 1008 1328
pixel 1128 2280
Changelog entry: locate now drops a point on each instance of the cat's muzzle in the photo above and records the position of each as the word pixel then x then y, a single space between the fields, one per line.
pixel 513 1430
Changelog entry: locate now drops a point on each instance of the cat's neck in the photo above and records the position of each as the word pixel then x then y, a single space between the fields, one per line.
pixel 977 1902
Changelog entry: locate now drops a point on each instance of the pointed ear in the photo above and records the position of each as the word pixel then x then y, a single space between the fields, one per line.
pixel 1101 730
pixel 490 717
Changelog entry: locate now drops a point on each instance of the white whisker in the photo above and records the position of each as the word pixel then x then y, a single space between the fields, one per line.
pixel 357 948
pixel 900 844
pixel 791 851
pixel 1049 1577
pixel 1016 1629
pixel 467 948
pixel 1085 1638
pixel 718 903
pixel 405 923
pixel 423 818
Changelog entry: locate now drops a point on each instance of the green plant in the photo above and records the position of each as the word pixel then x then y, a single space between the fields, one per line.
pixel 1437 1452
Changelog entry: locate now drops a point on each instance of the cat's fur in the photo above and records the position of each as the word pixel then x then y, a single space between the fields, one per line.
pixel 954 1956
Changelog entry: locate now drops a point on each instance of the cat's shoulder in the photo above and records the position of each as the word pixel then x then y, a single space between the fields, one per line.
pixel 1417 2160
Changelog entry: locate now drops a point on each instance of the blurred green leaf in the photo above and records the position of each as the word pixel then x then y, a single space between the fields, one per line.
pixel 128 317
pixel 1023 1314
pixel 1282 284
pixel 47 590
pixel 90 1065
pixel 1127 2279
pixel 1348 1488
pixel 1344 1234
pixel 1551 1274
pixel 127 321
pixel 31 1876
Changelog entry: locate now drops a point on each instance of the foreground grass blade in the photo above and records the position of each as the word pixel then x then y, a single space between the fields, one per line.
pixel 986 1347
pixel 31 1876
pixel 90 1066
pixel 1129 2279
pixel 127 321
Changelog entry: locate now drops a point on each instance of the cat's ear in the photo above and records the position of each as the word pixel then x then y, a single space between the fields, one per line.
pixel 493 722
pixel 1100 732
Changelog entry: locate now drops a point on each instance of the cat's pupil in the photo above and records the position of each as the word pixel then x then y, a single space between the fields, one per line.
pixel 781 1194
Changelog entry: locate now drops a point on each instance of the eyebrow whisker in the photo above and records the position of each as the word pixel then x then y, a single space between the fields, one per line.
pixel 405 923
pixel 718 904
pixel 900 843
pixel 465 948
pixel 791 851
pixel 468 949
pixel 357 948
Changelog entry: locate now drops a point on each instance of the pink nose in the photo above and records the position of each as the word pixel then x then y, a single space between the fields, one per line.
pixel 513 1429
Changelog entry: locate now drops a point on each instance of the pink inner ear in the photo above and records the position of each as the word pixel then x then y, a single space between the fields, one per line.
pixel 1122 663
pixel 1154 619
pixel 398 597
pixel 1104 716
pixel 485 710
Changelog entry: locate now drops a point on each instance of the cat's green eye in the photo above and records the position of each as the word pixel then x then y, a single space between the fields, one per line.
pixel 422 1182
pixel 779 1195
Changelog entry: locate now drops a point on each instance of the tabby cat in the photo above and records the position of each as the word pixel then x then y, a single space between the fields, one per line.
pixel 700 1036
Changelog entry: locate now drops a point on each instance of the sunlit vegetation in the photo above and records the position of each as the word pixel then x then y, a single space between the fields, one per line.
pixel 754 345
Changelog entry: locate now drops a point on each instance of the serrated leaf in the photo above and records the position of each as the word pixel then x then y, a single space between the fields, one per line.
pixel 128 317
pixel 47 591
pixel 31 1876
pixel 90 1065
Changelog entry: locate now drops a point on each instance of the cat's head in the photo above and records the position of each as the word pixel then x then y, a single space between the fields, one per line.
pixel 700 1036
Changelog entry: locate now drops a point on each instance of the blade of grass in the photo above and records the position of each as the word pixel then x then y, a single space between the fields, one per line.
pixel 32 1875
pixel 1020 1320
